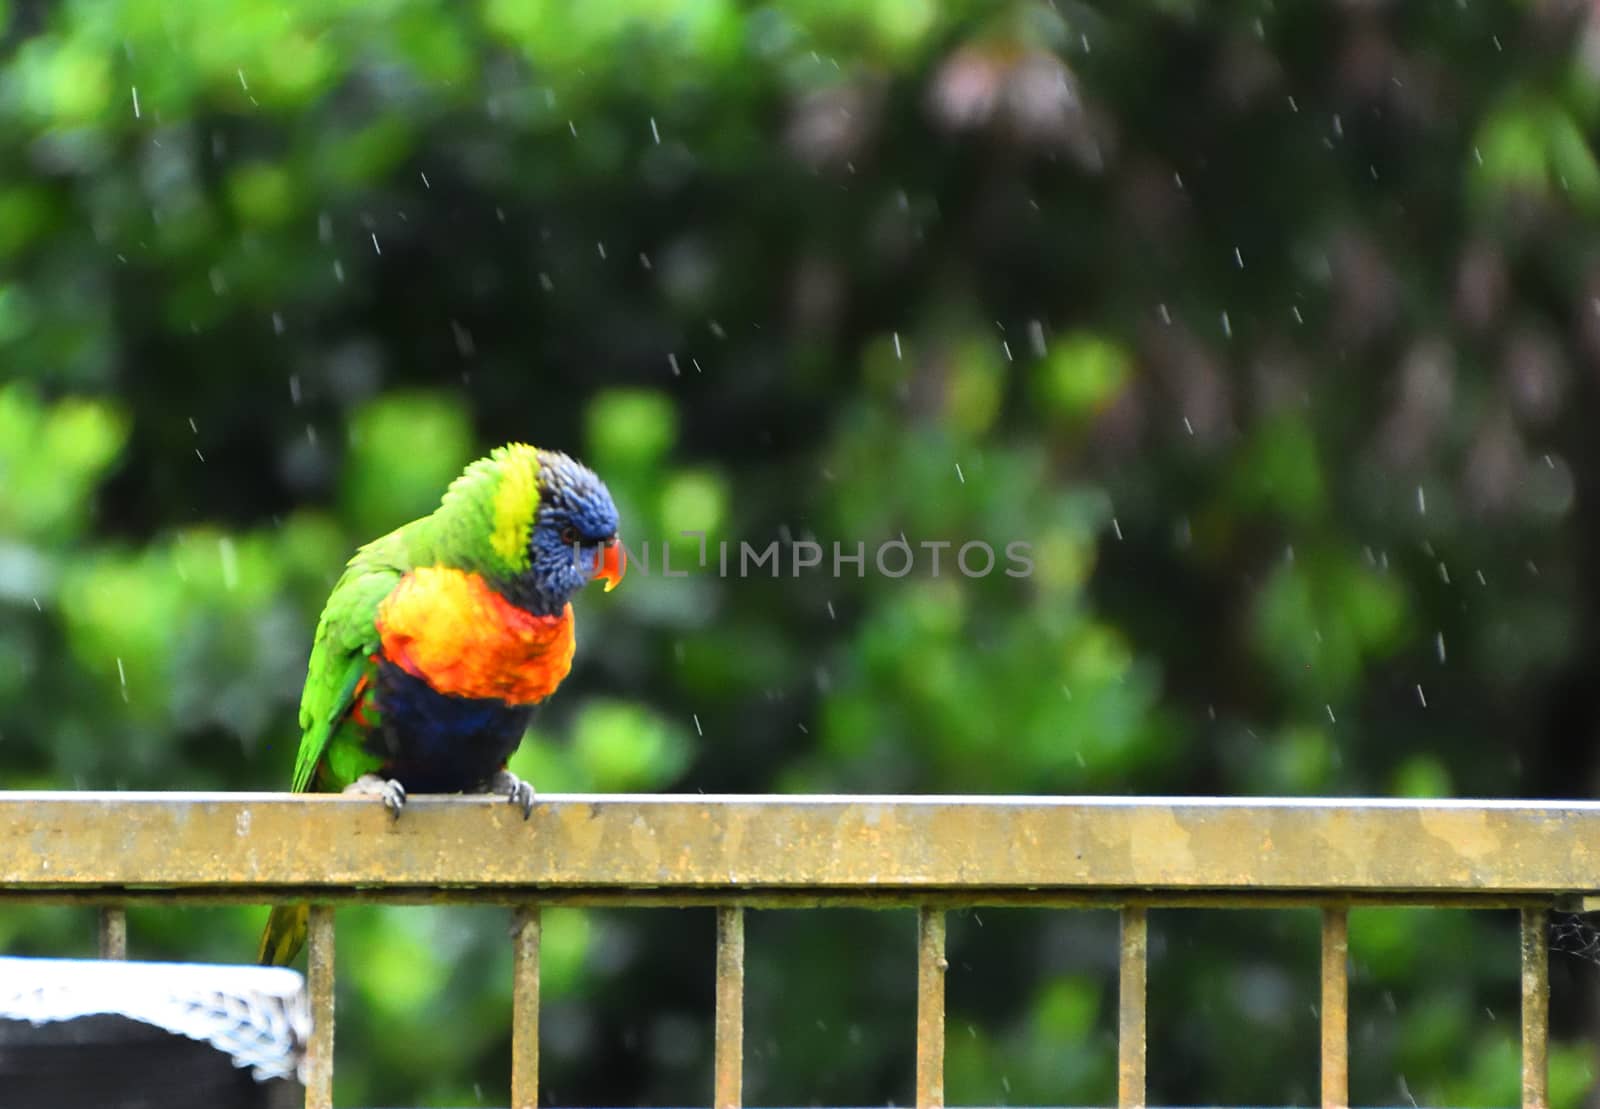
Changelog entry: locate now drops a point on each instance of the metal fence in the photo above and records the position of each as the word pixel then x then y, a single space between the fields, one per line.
pixel 929 854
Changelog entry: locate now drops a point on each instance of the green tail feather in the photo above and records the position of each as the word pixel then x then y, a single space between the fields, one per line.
pixel 285 935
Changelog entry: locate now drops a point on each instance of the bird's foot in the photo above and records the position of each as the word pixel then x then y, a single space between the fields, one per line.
pixel 389 790
pixel 517 791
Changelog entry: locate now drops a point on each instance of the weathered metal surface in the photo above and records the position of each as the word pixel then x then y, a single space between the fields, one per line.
pixel 670 897
pixel 919 846
pixel 931 966
pixel 728 1062
pixel 1132 973
pixel 318 1075
pixel 1335 1008
pixel 1535 1009
pixel 527 929
pixel 113 932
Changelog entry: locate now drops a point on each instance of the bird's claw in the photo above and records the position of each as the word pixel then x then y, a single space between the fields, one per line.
pixel 389 790
pixel 517 791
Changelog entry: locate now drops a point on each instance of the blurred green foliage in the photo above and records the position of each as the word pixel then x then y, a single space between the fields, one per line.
pixel 1269 327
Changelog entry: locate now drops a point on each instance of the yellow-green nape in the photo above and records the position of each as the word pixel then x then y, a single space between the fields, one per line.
pixel 516 499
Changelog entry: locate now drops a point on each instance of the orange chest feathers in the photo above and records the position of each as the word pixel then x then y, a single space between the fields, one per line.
pixel 450 629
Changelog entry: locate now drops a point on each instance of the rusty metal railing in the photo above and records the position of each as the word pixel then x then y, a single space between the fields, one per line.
pixel 930 854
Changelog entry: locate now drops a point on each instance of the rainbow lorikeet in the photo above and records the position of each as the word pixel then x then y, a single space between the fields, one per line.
pixel 441 637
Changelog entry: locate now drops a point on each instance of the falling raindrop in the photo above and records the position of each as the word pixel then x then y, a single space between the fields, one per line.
pixel 654 130
pixel 897 352
pixel 376 248
pixel 1422 697
pixel 135 101
pixel 1422 501
pixel 1438 643
pixel 425 183
pixel 672 360
pixel 1227 325
pixel 959 475
pixel 1116 526
pixel 698 729
pixel 122 678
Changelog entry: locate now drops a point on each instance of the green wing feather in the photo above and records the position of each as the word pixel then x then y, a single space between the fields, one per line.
pixel 347 636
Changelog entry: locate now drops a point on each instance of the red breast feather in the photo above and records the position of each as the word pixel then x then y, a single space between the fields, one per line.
pixel 450 629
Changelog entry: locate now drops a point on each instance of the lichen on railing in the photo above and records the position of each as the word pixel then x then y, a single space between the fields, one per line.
pixel 739 853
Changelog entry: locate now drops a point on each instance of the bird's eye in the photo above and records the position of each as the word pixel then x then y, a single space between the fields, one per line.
pixel 569 535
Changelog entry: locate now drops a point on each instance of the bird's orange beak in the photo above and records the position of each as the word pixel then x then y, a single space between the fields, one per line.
pixel 611 564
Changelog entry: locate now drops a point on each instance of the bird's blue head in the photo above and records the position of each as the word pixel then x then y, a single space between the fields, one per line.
pixel 573 540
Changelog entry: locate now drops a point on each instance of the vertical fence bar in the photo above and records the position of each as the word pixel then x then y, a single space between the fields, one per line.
pixel 527 931
pixel 113 932
pixel 1335 1007
pixel 729 1061
pixel 931 966
pixel 319 1052
pixel 1133 964
pixel 1535 1008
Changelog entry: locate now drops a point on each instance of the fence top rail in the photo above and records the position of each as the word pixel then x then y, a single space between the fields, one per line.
pixel 680 845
